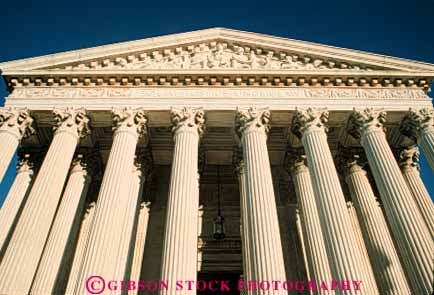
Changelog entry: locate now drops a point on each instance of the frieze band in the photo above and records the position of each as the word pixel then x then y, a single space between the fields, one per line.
pixel 132 92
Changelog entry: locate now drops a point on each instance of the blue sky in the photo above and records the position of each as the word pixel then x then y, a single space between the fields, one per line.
pixel 396 28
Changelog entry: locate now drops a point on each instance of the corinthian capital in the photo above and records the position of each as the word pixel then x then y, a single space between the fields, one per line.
pixel 25 163
pixel 237 160
pixel 87 161
pixel 129 120
pixel 80 164
pixel 366 121
pixel 296 162
pixel 252 119
pixel 30 158
pixel 16 121
pixel 352 163
pixel 72 121
pixel 417 122
pixel 188 119
pixel 144 162
pixel 409 158
pixel 309 120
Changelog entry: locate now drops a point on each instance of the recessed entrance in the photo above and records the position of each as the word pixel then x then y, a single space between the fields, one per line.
pixel 230 278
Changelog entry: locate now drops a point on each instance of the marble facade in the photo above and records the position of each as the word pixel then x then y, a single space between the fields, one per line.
pixel 121 149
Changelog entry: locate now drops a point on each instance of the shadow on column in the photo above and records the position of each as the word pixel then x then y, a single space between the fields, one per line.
pixel 151 264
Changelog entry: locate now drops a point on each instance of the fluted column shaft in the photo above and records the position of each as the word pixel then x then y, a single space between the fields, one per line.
pixel 419 125
pixel 427 145
pixel 179 260
pixel 315 250
pixel 14 125
pixel 199 234
pixel 409 163
pixel 335 224
pixel 139 246
pixel 239 170
pixel 364 263
pixel 80 249
pixel 49 278
pixel 129 226
pixel 111 233
pixel 126 248
pixel 8 145
pixel 408 227
pixel 302 236
pixel 421 196
pixel 384 259
pixel 261 219
pixel 14 202
pixel 22 256
pixel 245 240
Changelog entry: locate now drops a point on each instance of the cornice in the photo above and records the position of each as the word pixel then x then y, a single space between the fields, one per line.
pixel 228 78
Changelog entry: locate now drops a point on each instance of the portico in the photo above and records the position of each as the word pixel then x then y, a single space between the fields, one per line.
pixel 177 119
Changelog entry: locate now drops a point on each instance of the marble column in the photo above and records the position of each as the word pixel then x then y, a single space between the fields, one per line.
pixel 419 125
pixel 200 222
pixel 316 255
pixel 384 259
pixel 201 211
pixel 15 124
pixel 25 248
pixel 80 249
pixel 111 234
pixel 261 220
pixel 409 163
pixel 240 173
pixel 139 245
pixel 179 259
pixel 130 222
pixel 310 126
pixel 364 263
pixel 58 251
pixel 15 200
pixel 407 225
pixel 301 231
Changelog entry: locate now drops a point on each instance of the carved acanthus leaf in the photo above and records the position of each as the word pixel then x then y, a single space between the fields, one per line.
pixel 418 121
pixel 25 163
pixel 17 121
pixel 88 160
pixel 350 162
pixel 365 121
pixel 217 55
pixel 252 119
pixel 309 119
pixel 74 121
pixel 296 161
pixel 144 162
pixel 409 158
pixel 132 120
pixel 30 158
pixel 186 119
pixel 79 164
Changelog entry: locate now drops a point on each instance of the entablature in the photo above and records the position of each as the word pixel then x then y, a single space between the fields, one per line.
pixel 398 99
pixel 217 78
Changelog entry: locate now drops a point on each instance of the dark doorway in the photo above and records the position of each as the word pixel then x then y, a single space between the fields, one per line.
pixel 230 278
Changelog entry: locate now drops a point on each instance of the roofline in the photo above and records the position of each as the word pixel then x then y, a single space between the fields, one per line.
pixel 217 72
pixel 216 33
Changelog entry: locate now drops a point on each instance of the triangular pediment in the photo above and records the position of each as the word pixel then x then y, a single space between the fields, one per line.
pixel 216 49
pixel 215 54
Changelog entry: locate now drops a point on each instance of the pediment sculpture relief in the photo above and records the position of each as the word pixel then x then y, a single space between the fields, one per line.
pixel 218 55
